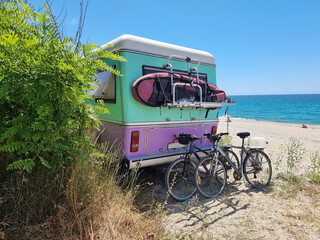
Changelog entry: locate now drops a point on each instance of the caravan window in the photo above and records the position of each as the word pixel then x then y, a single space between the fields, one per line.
pixel 105 87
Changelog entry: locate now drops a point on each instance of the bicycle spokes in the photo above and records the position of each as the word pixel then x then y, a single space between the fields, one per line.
pixel 257 168
pixel 211 177
pixel 180 179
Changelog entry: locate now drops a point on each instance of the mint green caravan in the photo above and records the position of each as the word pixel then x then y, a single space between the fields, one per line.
pixel 164 91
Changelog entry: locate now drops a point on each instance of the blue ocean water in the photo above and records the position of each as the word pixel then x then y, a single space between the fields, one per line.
pixel 300 108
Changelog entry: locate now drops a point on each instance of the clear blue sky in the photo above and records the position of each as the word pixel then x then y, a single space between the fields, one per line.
pixel 260 46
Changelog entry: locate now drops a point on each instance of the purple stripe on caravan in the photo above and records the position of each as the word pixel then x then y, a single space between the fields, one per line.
pixel 152 139
pixel 155 139
pixel 159 138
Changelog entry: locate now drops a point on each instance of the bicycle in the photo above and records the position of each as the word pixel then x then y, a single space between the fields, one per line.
pixel 255 167
pixel 180 174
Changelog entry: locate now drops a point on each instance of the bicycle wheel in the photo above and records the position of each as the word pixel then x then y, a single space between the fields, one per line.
pixel 257 168
pixel 233 157
pixel 211 177
pixel 180 178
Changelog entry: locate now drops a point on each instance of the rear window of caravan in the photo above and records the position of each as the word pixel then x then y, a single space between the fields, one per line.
pixel 105 86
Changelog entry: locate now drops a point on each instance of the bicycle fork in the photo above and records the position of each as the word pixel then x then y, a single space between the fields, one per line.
pixel 186 167
pixel 211 166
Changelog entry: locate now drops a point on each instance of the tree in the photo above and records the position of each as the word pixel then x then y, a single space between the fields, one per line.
pixel 44 79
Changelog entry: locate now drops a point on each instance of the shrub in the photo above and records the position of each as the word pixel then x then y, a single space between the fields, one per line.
pixel 44 79
pixel 44 121
pixel 293 154
pixel 315 167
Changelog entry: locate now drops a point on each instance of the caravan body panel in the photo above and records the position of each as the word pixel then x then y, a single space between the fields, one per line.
pixel 157 126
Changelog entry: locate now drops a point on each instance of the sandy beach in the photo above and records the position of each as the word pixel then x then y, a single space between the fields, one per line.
pixel 277 212
pixel 277 136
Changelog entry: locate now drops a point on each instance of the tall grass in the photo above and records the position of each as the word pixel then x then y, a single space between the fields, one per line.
pixel 292 154
pixel 30 198
pixel 315 167
pixel 289 162
pixel 88 199
pixel 102 200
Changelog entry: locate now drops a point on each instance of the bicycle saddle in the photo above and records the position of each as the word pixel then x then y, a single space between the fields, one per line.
pixel 243 134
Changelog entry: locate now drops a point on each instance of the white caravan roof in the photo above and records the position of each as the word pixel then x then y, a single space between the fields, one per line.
pixel 151 47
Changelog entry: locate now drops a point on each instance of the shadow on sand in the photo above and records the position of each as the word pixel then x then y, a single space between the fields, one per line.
pixel 198 209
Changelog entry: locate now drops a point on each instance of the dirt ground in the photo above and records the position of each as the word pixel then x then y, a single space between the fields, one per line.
pixel 284 210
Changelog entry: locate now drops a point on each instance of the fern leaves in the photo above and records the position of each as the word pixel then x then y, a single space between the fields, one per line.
pixel 44 80
pixel 26 165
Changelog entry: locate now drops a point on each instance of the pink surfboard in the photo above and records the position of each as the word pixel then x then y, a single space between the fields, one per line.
pixel 154 90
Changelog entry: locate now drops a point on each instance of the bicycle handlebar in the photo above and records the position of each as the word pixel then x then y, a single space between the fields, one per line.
pixel 184 138
pixel 216 137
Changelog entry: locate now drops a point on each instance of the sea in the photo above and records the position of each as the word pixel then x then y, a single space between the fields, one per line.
pixel 293 108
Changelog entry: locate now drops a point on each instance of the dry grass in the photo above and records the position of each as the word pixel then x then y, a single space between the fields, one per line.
pixel 97 202
pixel 121 220
pixel 103 202
pixel 304 197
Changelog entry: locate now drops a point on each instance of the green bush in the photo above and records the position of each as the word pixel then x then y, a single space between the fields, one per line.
pixel 292 154
pixel 44 121
pixel 44 79
pixel 315 167
pixel 295 153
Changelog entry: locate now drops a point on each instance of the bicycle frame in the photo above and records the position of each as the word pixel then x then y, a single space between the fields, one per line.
pixel 218 149
pixel 192 148
pixel 244 151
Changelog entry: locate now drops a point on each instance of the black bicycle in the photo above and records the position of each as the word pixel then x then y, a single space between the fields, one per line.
pixel 180 174
pixel 255 167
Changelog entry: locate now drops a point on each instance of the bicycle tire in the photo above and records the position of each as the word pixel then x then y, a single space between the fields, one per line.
pixel 180 178
pixel 257 168
pixel 233 157
pixel 210 177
